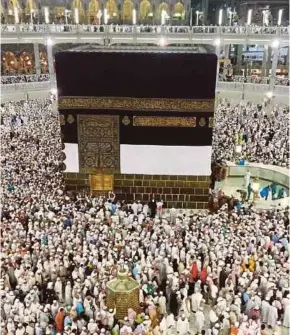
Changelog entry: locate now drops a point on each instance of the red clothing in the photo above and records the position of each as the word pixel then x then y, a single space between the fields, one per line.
pixel 59 321
pixel 194 271
pixel 203 275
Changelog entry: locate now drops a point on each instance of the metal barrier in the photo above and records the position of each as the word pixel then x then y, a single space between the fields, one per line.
pixel 143 29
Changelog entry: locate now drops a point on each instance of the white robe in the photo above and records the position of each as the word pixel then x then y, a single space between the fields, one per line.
pixel 199 320
pixel 58 289
pixel 272 316
pixel 286 318
pixel 195 301
pixel 185 308
pixel 162 304
pixel 68 295
pixel 182 326
pixel 265 310
pixel 170 323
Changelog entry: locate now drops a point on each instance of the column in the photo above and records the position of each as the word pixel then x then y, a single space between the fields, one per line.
pixel 227 51
pixel 218 52
pixel 204 10
pixel 268 62
pixel 49 46
pixel 265 58
pixel 239 58
pixel 274 67
pixel 36 58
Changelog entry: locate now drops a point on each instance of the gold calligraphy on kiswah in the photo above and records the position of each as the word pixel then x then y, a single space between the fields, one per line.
pixel 136 104
pixel 164 121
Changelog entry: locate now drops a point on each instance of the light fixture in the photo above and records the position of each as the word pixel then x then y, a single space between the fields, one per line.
pixel 134 16
pixel 76 16
pixel 249 19
pixel 256 185
pixel 217 42
pixel 269 95
pixel 280 17
pixel 162 42
pixel 220 17
pixel 46 15
pixel 49 41
pixel 53 90
pixel 275 43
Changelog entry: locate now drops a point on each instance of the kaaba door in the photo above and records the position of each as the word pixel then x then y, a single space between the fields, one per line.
pixel 99 147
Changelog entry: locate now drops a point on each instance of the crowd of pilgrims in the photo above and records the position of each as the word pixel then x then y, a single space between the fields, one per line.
pixel 204 273
pixel 262 132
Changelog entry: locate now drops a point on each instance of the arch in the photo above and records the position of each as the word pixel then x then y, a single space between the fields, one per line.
pixel 112 8
pixel 178 9
pixel 128 7
pixel 163 6
pixel 26 63
pixel 9 62
pixel 145 9
pixel 94 7
pixel 79 5
pixel 30 5
pixel 11 5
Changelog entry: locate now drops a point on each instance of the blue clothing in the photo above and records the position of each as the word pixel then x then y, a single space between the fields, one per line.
pixel 67 321
pixel 264 192
pixel 245 297
pixel 275 238
pixel 80 308
pixel 135 272
pixel 114 207
pixel 67 223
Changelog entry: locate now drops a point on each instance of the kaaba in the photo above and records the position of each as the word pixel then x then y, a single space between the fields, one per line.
pixel 139 123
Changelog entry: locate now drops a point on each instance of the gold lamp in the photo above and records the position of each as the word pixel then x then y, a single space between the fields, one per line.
pixel 255 188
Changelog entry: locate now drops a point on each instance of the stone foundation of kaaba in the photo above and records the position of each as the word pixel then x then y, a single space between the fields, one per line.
pixel 177 191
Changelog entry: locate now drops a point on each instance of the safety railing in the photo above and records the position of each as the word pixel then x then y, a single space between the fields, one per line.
pixel 222 86
pixel 142 29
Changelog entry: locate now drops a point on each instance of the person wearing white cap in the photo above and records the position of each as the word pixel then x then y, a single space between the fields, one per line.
pixel 182 326
pixel 199 319
pixel 162 303
pixel 20 329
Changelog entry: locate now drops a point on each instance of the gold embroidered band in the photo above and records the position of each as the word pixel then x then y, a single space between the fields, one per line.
pixel 164 121
pixel 137 104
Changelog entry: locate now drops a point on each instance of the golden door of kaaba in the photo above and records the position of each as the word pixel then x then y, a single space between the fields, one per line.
pixel 100 183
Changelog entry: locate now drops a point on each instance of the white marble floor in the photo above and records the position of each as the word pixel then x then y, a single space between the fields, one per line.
pixel 232 184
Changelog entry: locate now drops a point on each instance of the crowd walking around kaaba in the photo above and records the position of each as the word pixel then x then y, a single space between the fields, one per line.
pixel 199 273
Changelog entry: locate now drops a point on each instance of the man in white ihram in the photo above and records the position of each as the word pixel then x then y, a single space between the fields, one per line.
pixel 182 326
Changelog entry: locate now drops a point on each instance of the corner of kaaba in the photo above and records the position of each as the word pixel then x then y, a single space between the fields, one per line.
pixel 138 123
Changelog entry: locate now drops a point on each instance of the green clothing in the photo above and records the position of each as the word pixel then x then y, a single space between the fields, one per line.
pixel 274 189
pixel 139 319
pixel 249 191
